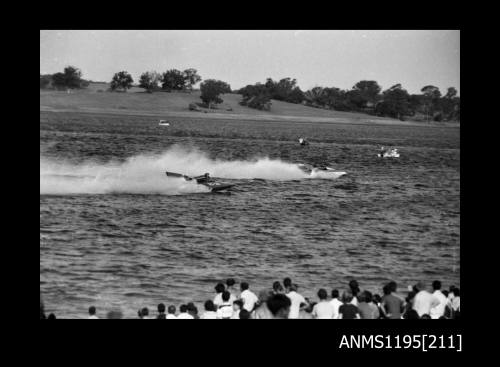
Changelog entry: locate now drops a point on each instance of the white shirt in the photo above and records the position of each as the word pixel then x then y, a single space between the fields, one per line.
pixel 170 316
pixel 336 304
pixel 296 299
pixel 323 310
pixel 184 315
pixel 236 314
pixel 423 302
pixel 438 310
pixel 93 317
pixel 249 299
pixel 218 299
pixel 354 301
pixel 209 315
pixel 225 311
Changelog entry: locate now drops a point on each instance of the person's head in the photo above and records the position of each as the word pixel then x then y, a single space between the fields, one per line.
pixel 294 287
pixel 456 291
pixel 354 286
pixel 161 308
pixel 114 314
pixel 171 309
pixel 237 305
pixel 183 308
pixel 420 286
pixel 322 295
pixel 51 317
pixel 244 314
pixel 392 286
pixel 230 282
pixel 445 292
pixel 347 296
pixel 425 316
pixel 411 315
pixel 335 293
pixel 244 286
pixel 368 296
pixel 386 289
pixel 377 299
pixel 219 288
pixel 279 305
pixel 277 287
pixel 92 310
pixel 287 282
pixel 192 309
pixel 145 312
pixel 436 285
pixel 225 296
pixel 410 296
pixel 209 306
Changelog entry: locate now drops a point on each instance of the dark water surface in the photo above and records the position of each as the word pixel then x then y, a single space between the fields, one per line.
pixel 385 220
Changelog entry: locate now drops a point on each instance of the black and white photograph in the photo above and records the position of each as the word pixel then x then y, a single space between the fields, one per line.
pixel 250 174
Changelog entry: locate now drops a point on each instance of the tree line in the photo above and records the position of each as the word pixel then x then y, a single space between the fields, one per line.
pixel 365 96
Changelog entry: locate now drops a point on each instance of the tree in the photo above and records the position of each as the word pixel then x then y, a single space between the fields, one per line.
pixel 256 96
pixel 366 91
pixel 431 99
pixel 59 81
pixel 173 80
pixel 73 77
pixel 395 103
pixel 121 80
pixel 452 92
pixel 211 90
pixel 191 77
pixel 150 81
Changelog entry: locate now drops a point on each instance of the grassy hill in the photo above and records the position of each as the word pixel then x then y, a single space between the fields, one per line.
pixel 96 99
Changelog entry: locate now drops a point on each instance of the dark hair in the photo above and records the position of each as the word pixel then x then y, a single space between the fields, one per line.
pixel 238 302
pixel 192 308
pixel 335 293
pixel 411 315
pixel 392 286
pixel 436 285
pixel 230 282
pixel 445 292
pixel 171 309
pixel 219 288
pixel 410 296
pixel 183 308
pixel 287 282
pixel 278 302
pixel 91 310
pixel 244 286
pixel 442 317
pixel 322 294
pixel 209 306
pixel 225 296
pixel 145 311
pixel 51 317
pixel 456 291
pixel 425 316
pixel 377 298
pixel 353 284
pixel 161 308
pixel 347 296
pixel 244 314
pixel 277 286
pixel 114 314
pixel 368 296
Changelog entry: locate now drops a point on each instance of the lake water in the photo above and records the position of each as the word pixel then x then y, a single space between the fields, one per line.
pixel 115 232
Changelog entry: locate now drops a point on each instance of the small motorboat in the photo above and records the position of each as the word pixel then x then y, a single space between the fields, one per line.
pixel 164 123
pixel 390 153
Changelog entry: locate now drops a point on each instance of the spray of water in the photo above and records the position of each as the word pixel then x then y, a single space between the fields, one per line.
pixel 145 174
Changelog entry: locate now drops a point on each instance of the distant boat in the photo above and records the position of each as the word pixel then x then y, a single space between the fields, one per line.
pixel 164 123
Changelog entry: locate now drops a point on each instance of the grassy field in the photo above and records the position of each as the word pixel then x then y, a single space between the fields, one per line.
pixel 136 102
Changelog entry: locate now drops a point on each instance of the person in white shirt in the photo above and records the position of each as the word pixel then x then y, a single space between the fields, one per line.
pixel 225 310
pixel 92 315
pixel 249 298
pixel 184 315
pixel 424 301
pixel 323 309
pixel 171 313
pixel 220 288
pixel 336 303
pixel 296 299
pixel 438 311
pixel 210 311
